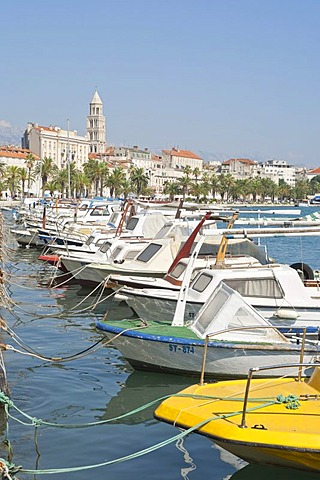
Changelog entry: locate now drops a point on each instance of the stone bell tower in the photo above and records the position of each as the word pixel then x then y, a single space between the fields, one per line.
pixel 96 125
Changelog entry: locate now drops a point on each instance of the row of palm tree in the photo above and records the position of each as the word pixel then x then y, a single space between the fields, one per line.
pixel 96 176
pixel 229 189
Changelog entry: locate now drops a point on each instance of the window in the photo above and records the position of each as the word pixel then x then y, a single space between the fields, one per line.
pixel 130 255
pixel 132 223
pixel 149 252
pixel 116 252
pixel 178 270
pixel 89 240
pixel 201 282
pixel 258 287
pixel 106 246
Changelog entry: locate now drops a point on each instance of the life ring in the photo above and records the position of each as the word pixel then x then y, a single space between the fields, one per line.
pixel 307 271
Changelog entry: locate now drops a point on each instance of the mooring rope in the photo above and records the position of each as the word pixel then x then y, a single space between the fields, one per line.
pixel 12 469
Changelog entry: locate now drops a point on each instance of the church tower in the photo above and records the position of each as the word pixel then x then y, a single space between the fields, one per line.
pixel 96 125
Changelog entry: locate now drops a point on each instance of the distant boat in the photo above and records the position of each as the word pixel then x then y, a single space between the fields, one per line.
pixel 315 200
pixel 303 203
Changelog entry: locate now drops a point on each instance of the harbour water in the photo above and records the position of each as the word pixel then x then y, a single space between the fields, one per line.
pixel 59 322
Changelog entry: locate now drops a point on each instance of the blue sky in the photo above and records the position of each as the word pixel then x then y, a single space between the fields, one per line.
pixel 223 77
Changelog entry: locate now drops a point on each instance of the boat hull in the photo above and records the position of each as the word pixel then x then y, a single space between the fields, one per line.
pixel 302 459
pixel 178 355
pixel 156 307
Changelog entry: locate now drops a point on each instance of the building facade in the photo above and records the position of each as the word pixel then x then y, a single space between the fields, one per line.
pixel 11 156
pixel 278 170
pixel 177 159
pixel 239 167
pixel 60 145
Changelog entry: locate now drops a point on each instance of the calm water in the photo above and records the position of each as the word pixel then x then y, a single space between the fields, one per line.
pixel 102 385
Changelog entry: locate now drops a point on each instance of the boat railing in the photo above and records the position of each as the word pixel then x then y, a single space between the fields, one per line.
pixel 252 327
pixel 253 370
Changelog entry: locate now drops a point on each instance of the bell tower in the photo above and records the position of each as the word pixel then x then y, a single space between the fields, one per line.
pixel 96 125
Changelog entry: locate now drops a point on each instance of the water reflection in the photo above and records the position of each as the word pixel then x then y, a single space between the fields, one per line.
pixel 264 472
pixel 139 389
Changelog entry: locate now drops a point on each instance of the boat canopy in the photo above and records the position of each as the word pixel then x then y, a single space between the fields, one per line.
pixel 226 309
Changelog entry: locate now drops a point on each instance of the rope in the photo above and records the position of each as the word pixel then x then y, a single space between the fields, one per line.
pixel 291 401
pixel 13 469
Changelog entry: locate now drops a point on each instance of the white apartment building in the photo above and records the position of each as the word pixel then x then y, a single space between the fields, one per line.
pixel 278 170
pixel 12 156
pixel 60 145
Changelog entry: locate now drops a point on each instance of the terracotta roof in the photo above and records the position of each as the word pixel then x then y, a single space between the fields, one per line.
pixel 16 152
pixel 315 171
pixel 240 160
pixel 48 129
pixel 182 153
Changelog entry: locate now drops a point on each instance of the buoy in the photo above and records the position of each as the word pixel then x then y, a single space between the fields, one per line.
pixel 286 313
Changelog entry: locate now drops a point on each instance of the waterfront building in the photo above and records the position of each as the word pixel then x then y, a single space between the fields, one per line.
pixel 60 145
pixel 12 156
pixel 239 167
pixel 278 170
pixel 315 172
pixel 177 159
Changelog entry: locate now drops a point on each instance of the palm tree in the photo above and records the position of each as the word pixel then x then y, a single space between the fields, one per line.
pixel 81 184
pixel 126 188
pixel 196 173
pixel 3 169
pixel 139 180
pixel 29 164
pixel 214 183
pixel 172 189
pixel 2 187
pixel 225 185
pixel 12 180
pixel 97 172
pixel 266 188
pixel 51 186
pixel 24 176
pixel 184 183
pixel 46 168
pixel 61 180
pixel 187 171
pixel 301 189
pixel 198 190
pixel 115 181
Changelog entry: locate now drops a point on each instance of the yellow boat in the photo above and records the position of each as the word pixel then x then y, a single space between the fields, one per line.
pixel 268 421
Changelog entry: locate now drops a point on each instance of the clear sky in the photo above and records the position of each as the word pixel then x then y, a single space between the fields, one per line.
pixel 222 77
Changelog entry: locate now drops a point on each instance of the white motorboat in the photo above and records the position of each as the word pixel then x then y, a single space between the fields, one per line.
pixel 225 339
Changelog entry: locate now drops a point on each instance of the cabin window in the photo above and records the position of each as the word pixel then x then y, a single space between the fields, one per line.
pixel 149 252
pixel 202 282
pixel 96 212
pixel 178 270
pixel 257 287
pixel 89 240
pixel 208 314
pixel 131 254
pixel 163 232
pixel 116 252
pixel 132 223
pixel 105 247
pixel 114 218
